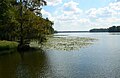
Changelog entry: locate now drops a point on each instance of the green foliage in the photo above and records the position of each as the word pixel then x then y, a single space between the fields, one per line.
pixel 34 5
pixel 7 45
pixel 110 29
pixel 99 30
pixel 8 22
pixel 33 27
pixel 114 29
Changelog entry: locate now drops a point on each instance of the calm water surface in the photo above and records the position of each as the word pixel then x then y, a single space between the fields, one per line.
pixel 100 60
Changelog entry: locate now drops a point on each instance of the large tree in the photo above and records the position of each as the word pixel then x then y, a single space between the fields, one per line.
pixel 32 5
pixel 20 23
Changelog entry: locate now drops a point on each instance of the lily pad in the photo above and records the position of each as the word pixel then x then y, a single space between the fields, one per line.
pixel 66 43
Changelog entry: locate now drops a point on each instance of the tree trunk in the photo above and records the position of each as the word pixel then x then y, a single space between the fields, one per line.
pixel 21 21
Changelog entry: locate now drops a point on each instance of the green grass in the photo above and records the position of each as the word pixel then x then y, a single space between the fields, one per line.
pixel 7 45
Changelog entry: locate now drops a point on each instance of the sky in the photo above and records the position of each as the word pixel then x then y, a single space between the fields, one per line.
pixel 82 15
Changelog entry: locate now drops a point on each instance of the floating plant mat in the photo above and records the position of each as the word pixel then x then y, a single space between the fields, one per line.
pixel 67 43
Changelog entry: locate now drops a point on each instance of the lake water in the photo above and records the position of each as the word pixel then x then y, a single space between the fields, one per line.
pixel 99 60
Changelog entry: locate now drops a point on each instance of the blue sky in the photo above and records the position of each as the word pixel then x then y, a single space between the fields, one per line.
pixel 82 14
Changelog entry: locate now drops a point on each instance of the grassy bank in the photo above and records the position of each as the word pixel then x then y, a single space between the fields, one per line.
pixel 6 46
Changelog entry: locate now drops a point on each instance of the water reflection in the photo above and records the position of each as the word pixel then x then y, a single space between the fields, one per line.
pixel 24 65
pixel 100 60
pixel 114 33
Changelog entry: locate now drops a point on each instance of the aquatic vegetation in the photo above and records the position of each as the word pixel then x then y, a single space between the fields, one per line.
pixel 67 43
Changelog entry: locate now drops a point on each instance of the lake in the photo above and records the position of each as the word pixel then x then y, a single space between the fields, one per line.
pixel 99 60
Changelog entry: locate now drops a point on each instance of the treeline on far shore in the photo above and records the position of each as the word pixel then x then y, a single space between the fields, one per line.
pixel 110 29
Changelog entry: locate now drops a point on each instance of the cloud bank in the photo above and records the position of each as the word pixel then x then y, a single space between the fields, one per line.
pixel 69 16
pixel 54 2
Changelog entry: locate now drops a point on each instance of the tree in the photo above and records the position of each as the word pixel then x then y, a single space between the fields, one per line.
pixel 7 20
pixel 32 5
pixel 19 23
pixel 114 29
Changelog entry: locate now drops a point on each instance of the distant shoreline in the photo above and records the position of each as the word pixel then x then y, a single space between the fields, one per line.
pixel 70 31
pixel 85 32
pixel 110 29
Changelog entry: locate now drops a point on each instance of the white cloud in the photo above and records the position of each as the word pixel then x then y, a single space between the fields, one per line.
pixel 113 9
pixel 71 8
pixel 70 16
pixel 84 20
pixel 69 11
pixel 46 14
pixel 109 20
pixel 53 2
pixel 115 6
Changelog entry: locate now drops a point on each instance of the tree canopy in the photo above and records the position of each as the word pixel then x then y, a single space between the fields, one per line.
pixel 23 19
